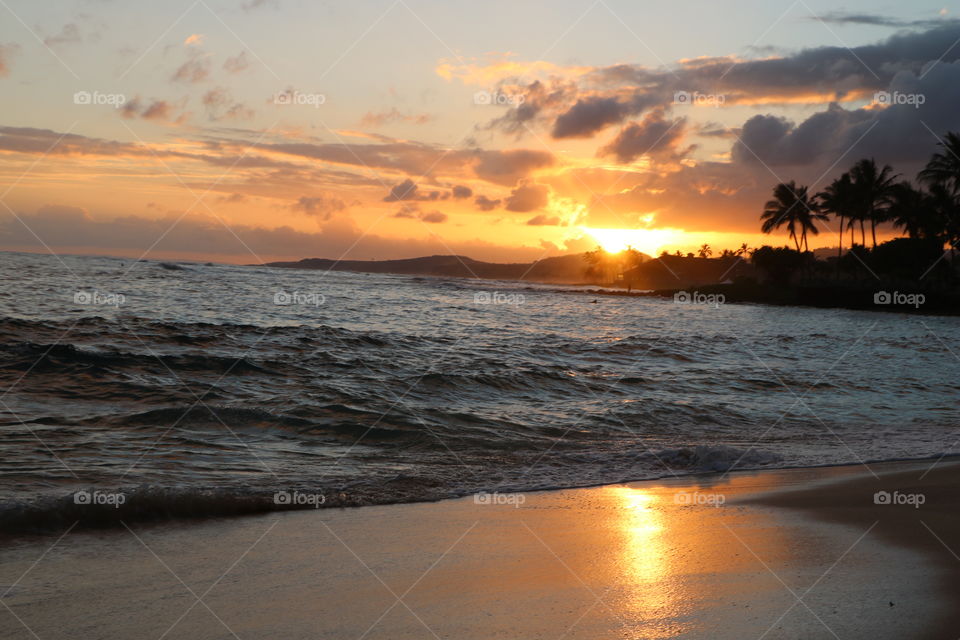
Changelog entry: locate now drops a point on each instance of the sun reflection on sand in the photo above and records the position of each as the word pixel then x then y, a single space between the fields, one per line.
pixel 650 596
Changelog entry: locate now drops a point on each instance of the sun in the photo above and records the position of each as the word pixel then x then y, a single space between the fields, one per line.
pixel 648 241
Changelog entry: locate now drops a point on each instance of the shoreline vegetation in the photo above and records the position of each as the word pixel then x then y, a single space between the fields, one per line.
pixel 916 273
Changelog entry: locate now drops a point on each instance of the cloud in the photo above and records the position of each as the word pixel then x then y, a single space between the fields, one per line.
pixel 7 52
pixel 159 110
pixel 508 167
pixel 408 211
pixel 371 119
pixel 69 34
pixel 193 71
pixel 585 103
pixel 897 133
pixel 544 221
pixel 654 135
pixel 195 39
pixel 408 190
pixel 434 217
pixel 412 210
pixel 528 196
pixel 237 64
pixel 486 204
pixel 250 5
pixel 220 105
pixel 323 206
pixel 873 19
pixel 592 114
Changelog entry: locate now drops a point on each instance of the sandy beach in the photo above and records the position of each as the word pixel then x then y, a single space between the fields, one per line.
pixel 782 554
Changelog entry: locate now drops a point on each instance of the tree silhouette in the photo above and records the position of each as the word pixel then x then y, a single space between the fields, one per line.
pixel 944 167
pixel 874 187
pixel 839 198
pixel 792 207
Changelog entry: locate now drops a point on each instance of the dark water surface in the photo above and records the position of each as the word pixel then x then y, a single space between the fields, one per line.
pixel 188 388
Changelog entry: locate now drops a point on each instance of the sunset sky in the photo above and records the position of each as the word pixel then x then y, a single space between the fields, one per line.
pixel 254 130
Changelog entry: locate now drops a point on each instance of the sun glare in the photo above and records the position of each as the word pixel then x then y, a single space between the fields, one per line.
pixel 648 241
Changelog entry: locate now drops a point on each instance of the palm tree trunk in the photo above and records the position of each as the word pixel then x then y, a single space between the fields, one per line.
pixel 840 248
pixel 873 232
pixel 863 234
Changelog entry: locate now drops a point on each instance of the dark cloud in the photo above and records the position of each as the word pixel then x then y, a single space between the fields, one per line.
pixel 607 96
pixel 411 210
pixel 654 135
pixel 508 167
pixel 593 114
pixel 322 206
pixel 461 192
pixel 408 211
pixel 160 110
pixel 876 20
pixel 544 221
pixel 528 196
pixel 898 133
pixel 434 217
pixel 486 204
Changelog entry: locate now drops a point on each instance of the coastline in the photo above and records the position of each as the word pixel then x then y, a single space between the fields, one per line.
pixel 706 556
pixel 917 510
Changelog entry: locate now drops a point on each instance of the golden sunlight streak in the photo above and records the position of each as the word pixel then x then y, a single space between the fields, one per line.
pixel 648 241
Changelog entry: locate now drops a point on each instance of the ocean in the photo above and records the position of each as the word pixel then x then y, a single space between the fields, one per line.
pixel 179 389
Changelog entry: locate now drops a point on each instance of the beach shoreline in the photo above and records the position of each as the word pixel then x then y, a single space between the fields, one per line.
pixel 709 556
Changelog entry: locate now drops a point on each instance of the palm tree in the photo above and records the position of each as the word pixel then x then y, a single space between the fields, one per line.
pixel 912 209
pixel 792 207
pixel 839 198
pixel 944 168
pixel 705 251
pixel 874 187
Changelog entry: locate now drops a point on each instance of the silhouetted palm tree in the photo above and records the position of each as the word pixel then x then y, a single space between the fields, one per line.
pixel 944 167
pixel 874 188
pixel 839 198
pixel 792 207
pixel 912 210
pixel 705 251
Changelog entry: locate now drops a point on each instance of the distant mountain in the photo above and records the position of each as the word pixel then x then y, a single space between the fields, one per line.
pixel 559 270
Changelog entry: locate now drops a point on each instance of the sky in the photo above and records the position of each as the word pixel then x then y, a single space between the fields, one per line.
pixel 256 130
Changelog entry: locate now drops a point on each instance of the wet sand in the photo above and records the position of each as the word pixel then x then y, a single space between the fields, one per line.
pixel 784 554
